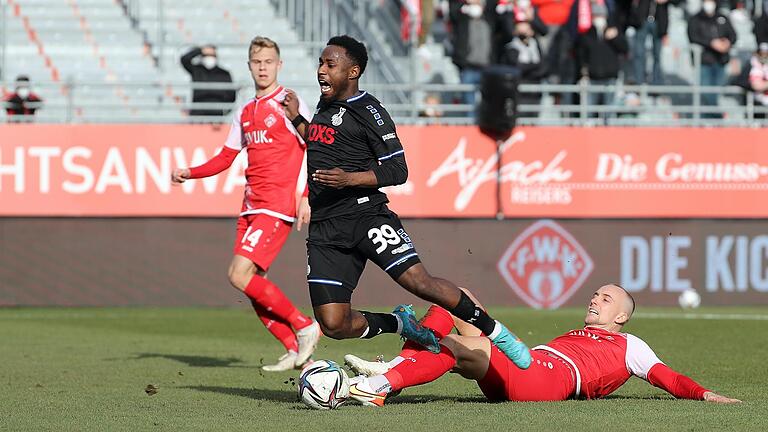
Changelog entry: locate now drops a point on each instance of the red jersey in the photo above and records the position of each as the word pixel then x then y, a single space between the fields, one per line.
pixel 275 155
pixel 602 360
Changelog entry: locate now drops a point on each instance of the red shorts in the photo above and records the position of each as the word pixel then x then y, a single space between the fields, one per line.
pixel 547 379
pixel 260 238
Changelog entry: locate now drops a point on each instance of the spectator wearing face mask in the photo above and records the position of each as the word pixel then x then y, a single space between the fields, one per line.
pixel 598 52
pixel 714 32
pixel 22 103
pixel 523 51
pixel 511 12
pixel 650 18
pixel 758 75
pixel 202 65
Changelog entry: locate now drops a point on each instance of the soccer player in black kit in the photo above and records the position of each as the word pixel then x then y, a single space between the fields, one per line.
pixel 352 150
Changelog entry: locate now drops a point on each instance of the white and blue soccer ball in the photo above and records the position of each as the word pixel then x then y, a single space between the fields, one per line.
pixel 323 384
pixel 689 299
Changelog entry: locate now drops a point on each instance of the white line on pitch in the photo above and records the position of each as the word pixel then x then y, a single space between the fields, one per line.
pixel 702 316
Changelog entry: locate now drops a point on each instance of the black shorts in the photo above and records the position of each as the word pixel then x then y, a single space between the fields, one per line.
pixel 338 249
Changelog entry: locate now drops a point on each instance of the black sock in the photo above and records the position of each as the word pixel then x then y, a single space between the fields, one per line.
pixel 379 323
pixel 468 311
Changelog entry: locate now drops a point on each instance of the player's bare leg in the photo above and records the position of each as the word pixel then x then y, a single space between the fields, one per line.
pixel 472 353
pixel 446 294
pixel 277 313
pixel 340 321
pixel 415 365
pixel 379 366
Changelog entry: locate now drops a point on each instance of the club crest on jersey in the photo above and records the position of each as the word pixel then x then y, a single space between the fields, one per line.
pixel 336 119
pixel 545 265
pixel 270 120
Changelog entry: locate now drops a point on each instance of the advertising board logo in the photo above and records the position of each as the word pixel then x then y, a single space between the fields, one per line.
pixel 545 265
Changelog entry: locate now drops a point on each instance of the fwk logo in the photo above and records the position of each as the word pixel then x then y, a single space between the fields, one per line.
pixel 545 265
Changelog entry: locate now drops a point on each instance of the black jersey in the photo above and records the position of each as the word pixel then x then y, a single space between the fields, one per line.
pixel 355 135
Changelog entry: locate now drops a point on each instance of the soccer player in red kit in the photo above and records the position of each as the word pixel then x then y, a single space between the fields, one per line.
pixel 275 156
pixel 589 363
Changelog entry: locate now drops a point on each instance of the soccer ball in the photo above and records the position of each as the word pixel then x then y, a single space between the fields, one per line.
pixel 689 299
pixel 323 384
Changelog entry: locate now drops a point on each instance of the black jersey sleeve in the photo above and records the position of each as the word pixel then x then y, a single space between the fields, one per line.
pixel 385 144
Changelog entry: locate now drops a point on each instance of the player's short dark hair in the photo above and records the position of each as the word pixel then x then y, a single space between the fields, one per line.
pixel 355 49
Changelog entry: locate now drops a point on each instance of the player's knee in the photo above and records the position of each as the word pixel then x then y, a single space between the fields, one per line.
pixel 239 277
pixel 333 326
pixel 333 330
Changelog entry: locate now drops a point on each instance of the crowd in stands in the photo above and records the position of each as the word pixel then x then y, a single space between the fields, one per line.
pixel 600 42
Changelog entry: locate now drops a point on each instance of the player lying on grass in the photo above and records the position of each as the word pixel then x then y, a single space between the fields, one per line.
pixel 590 362
pixel 275 157
pixel 352 151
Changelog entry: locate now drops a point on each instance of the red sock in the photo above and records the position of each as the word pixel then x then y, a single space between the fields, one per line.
pixel 279 329
pixel 437 319
pixel 422 367
pixel 268 295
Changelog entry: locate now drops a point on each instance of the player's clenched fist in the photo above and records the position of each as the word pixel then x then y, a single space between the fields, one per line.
pixel 180 175
pixel 291 104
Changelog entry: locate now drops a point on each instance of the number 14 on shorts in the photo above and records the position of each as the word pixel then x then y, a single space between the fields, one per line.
pixel 251 238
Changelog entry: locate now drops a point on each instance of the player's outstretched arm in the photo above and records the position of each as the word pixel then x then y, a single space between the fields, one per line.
pixel 215 165
pixel 716 398
pixel 681 386
pixel 180 175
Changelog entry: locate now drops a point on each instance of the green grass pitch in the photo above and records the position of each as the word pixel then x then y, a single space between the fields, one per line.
pixel 87 369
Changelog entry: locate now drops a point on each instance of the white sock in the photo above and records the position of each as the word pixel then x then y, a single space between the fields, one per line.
pixel 379 383
pixel 395 361
pixel 399 324
pixel 496 330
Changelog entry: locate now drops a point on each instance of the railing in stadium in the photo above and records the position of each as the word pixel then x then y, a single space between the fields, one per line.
pixel 159 102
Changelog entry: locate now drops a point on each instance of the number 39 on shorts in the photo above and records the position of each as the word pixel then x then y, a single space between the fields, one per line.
pixel 382 236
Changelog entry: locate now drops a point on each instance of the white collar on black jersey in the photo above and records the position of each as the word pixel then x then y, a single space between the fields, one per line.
pixel 354 98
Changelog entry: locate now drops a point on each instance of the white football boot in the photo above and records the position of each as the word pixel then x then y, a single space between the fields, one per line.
pixel 361 391
pixel 286 362
pixel 365 367
pixel 307 339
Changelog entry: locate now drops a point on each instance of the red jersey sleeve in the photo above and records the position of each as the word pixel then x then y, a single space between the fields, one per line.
pixel 227 155
pixel 215 165
pixel 676 384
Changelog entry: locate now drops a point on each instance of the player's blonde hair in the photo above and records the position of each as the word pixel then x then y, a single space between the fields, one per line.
pixel 260 42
